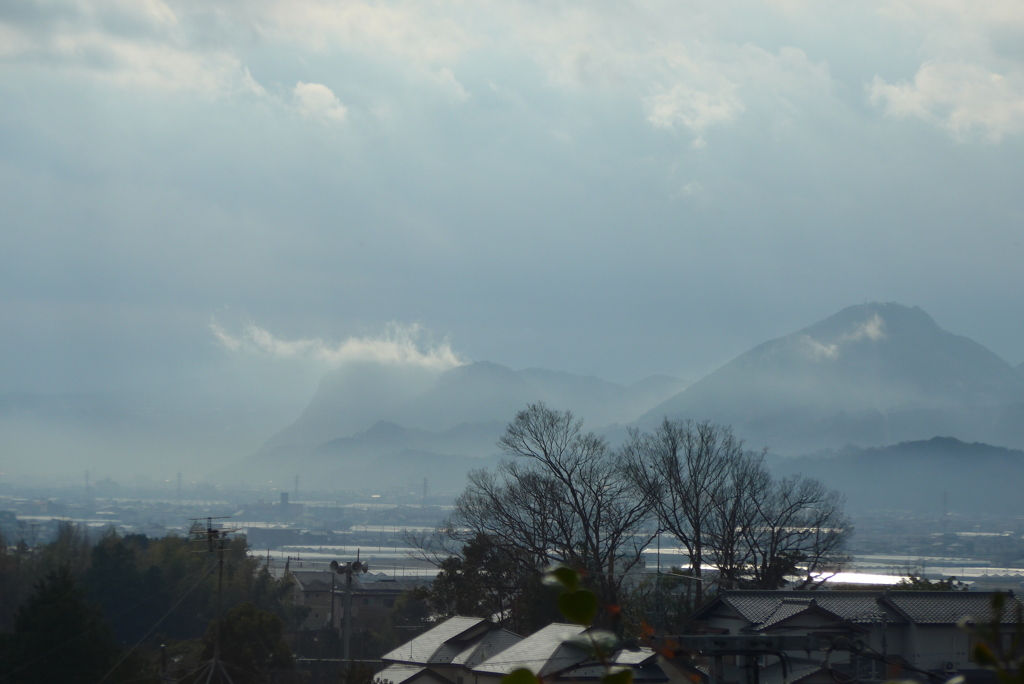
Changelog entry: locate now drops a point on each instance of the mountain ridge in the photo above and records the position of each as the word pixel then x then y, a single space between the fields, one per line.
pixel 870 374
pixel 976 477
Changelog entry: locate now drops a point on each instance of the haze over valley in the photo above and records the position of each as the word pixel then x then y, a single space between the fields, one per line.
pixel 862 393
pixel 350 240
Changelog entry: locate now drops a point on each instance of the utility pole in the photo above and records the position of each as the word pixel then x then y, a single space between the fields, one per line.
pixel 348 569
pixel 215 539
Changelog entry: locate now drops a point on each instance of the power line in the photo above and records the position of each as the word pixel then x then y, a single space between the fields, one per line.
pixel 155 625
pixel 91 629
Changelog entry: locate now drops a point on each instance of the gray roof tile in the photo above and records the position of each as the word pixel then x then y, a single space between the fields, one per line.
pixel 763 607
pixel 486 646
pixel 947 607
pixel 543 652
pixel 433 646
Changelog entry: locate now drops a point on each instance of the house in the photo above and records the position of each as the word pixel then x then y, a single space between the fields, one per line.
pixel 314 590
pixel 324 593
pixel 838 635
pixel 550 654
pixel 447 653
pixel 465 650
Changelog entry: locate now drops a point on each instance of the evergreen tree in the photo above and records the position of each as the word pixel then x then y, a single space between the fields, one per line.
pixel 58 636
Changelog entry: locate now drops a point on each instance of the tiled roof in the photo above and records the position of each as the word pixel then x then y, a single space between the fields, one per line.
pixel 763 607
pixel 487 645
pixel 543 652
pixel 395 586
pixel 947 607
pixel 797 670
pixel 787 609
pixel 399 674
pixel 310 580
pixel 424 648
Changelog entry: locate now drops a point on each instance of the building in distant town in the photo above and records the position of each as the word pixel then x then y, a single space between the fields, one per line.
pixel 324 593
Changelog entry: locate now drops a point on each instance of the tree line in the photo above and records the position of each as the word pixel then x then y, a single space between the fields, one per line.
pixel 90 609
pixel 566 497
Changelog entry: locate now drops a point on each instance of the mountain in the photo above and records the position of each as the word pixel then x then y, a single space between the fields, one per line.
pixel 350 401
pixel 372 426
pixel 384 457
pixel 352 398
pixel 479 392
pixel 917 476
pixel 870 374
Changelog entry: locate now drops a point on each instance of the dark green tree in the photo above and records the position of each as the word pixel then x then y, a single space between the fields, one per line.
pixel 483 581
pixel 133 596
pixel 59 637
pixel 252 644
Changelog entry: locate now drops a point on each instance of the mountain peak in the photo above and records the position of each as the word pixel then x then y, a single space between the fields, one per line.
pixel 871 373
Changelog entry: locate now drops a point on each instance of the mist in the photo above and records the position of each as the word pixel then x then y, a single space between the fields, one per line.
pixel 213 214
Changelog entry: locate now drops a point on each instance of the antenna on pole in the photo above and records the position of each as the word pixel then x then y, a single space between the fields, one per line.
pixel 348 569
pixel 215 539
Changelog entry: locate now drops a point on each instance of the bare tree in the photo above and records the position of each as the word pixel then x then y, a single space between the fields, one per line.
pixel 800 529
pixel 561 499
pixel 682 469
pixel 735 511
pixel 721 503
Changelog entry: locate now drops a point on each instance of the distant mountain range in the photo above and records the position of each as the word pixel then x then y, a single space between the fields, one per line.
pixel 917 476
pixel 873 374
pixel 372 426
pixel 869 376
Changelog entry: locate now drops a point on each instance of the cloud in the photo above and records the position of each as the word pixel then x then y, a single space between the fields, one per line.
pixel 400 345
pixel 872 329
pixel 965 99
pixel 408 30
pixel 129 44
pixel 692 109
pixel 818 351
pixel 317 101
pixel 446 81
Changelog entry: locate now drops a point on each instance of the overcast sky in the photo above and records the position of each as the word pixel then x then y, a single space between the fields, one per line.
pixel 617 189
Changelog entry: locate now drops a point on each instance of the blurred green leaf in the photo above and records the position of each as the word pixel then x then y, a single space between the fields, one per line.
pixel 519 676
pixel 579 607
pixel 983 656
pixel 618 675
pixel 561 576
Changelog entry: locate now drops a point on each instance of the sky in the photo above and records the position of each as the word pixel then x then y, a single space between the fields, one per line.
pixel 237 196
